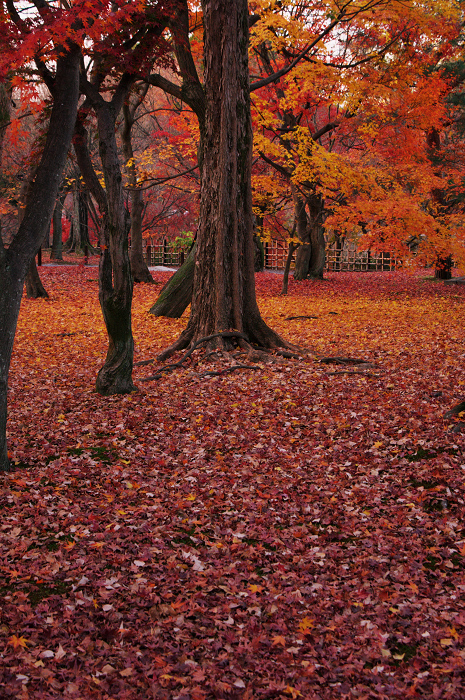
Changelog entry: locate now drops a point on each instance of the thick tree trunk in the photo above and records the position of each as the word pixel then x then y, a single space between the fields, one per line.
pixel 34 287
pixel 224 284
pixel 311 255
pixel 15 260
pixel 176 295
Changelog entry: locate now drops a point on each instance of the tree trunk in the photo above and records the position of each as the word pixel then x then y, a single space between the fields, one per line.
pixel 259 254
pixel 15 261
pixel 115 296
pixel 224 284
pixel 317 237
pixel 310 257
pixel 176 295
pixel 11 291
pixel 115 279
pixel 5 113
pixel 139 268
pixel 79 233
pixel 34 287
pixel 292 248
pixel 443 270
pixel 57 241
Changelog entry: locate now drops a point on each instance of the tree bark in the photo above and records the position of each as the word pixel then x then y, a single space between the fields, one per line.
pixel 34 287
pixel 176 295
pixel 15 260
pixel 259 254
pixel 139 269
pixel 116 284
pixel 224 284
pixel 57 227
pixel 115 278
pixel 292 248
pixel 79 234
pixel 5 114
pixel 310 257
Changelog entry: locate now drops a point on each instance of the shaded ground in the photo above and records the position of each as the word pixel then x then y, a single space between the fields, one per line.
pixel 292 531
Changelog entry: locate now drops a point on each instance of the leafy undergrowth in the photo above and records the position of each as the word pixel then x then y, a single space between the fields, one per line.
pixel 292 531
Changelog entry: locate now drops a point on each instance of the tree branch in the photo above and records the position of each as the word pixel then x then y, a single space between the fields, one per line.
pixel 280 73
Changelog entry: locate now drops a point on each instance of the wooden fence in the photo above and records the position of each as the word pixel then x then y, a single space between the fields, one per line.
pixel 161 253
pixel 347 259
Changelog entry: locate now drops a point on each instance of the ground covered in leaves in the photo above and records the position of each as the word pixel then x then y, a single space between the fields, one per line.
pixel 290 531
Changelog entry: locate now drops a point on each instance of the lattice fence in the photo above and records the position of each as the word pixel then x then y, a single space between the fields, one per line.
pixel 161 253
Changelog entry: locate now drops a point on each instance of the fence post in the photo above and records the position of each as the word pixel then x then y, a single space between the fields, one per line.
pixel 148 255
pixel 39 256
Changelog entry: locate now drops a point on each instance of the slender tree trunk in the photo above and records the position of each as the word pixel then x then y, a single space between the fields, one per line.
pixel 292 248
pixel 116 284
pixel 5 113
pixel 34 287
pixel 176 295
pixel 15 260
pixel 79 234
pixel 57 227
pixel 115 279
pixel 11 291
pixel 139 269
pixel 302 259
pixel 259 254
pixel 224 284
pixel 317 237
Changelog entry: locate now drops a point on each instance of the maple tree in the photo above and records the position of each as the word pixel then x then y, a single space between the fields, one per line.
pixel 332 128
pixel 140 38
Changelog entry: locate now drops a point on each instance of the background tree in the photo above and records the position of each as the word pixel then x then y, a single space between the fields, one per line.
pixel 16 258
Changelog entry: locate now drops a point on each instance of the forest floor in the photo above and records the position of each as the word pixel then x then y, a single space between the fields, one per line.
pixel 293 530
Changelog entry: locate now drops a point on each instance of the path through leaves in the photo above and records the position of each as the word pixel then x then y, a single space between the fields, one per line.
pixel 293 532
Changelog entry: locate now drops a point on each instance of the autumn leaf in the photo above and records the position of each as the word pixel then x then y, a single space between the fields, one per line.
pixel 18 642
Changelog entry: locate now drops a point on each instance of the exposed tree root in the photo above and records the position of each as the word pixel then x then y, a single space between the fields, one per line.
pixel 289 355
pixel 143 363
pixel 200 341
pixel 456 410
pixel 344 361
pixel 298 318
pixel 352 372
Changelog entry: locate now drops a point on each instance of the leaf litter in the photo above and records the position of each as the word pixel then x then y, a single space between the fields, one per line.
pixel 281 533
